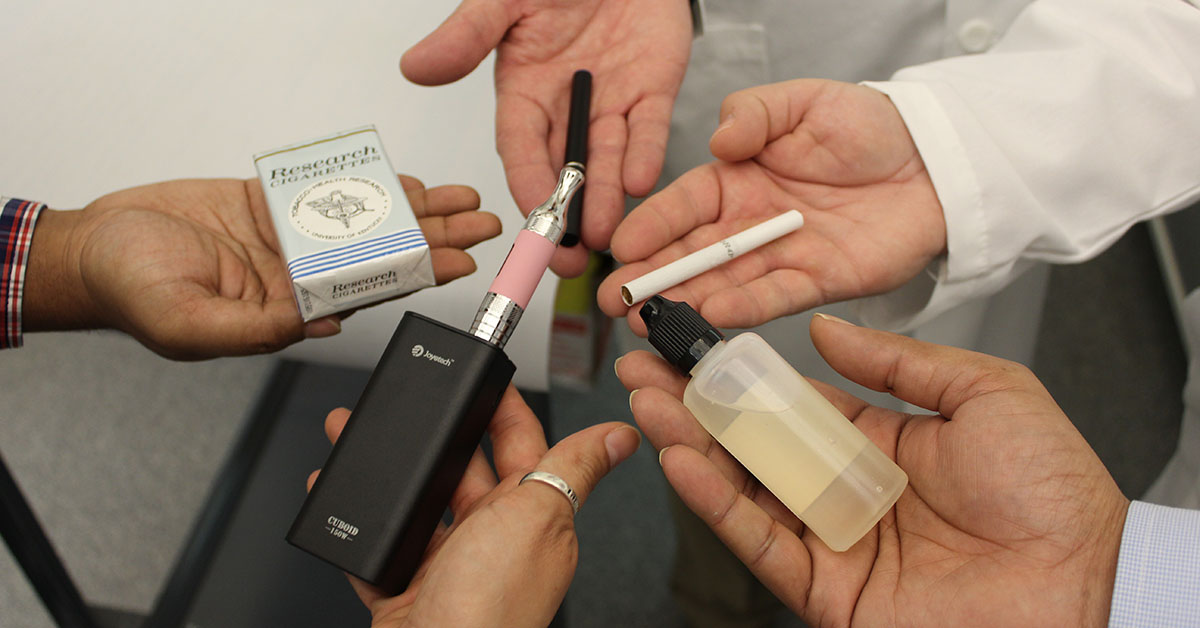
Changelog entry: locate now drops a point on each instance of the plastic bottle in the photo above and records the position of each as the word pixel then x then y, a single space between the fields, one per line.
pixel 784 432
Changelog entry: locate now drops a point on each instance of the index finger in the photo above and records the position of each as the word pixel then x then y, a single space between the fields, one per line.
pixel 690 201
pixel 518 441
pixel 522 139
pixel 773 551
pixel 456 47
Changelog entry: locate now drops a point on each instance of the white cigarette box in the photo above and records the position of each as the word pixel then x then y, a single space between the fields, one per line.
pixel 348 234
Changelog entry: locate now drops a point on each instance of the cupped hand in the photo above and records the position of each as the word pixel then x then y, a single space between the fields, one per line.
pixel 192 268
pixel 839 153
pixel 1009 517
pixel 510 553
pixel 637 53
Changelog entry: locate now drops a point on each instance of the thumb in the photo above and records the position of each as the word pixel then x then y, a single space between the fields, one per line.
pixel 457 46
pixel 930 376
pixel 585 457
pixel 752 118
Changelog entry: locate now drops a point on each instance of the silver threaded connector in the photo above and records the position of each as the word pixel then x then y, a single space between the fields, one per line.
pixel 496 319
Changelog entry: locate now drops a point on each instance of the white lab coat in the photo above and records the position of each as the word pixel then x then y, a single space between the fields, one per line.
pixel 1050 180
pixel 1081 121
pixel 1048 128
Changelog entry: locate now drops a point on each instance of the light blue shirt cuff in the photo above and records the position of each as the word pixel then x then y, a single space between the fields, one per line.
pixel 1158 570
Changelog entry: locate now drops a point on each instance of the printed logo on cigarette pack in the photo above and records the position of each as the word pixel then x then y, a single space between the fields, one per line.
pixel 340 208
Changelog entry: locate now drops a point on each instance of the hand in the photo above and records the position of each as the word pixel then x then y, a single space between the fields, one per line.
pixel 192 269
pixel 637 53
pixel 1009 518
pixel 510 553
pixel 839 153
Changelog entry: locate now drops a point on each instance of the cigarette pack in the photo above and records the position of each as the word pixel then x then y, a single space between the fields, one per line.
pixel 348 234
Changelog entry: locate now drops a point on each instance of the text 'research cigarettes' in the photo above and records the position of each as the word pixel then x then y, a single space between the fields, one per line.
pixel 710 257
pixel 348 234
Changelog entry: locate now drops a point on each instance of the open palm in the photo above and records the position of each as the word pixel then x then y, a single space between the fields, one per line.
pixel 839 153
pixel 1009 518
pixel 637 53
pixel 192 268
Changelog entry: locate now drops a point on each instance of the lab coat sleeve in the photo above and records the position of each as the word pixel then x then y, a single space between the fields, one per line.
pixel 1081 121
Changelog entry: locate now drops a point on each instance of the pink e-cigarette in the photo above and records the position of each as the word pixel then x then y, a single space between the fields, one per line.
pixel 526 262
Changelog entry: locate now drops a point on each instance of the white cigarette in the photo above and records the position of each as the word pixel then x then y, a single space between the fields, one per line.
pixel 710 257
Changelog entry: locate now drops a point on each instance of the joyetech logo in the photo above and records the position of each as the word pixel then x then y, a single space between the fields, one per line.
pixel 419 351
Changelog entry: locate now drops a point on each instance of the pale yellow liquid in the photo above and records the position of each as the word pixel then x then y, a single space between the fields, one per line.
pixel 814 461
pixel 796 468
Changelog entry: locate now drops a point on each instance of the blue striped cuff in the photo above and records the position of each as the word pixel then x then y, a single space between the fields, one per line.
pixel 1158 572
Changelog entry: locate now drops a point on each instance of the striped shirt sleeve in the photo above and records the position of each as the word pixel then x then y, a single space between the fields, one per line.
pixel 1158 571
pixel 17 219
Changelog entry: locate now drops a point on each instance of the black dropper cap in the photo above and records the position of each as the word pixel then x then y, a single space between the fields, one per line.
pixel 679 333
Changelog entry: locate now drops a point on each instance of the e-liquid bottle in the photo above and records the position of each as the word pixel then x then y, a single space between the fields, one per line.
pixel 796 443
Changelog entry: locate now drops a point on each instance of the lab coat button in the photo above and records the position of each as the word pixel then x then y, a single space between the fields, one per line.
pixel 976 35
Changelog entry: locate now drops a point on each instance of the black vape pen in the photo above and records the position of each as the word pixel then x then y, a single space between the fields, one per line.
pixel 577 146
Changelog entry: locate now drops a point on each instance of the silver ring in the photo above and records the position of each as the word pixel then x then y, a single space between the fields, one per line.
pixel 556 482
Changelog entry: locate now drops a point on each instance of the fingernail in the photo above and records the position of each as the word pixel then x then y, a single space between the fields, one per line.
pixel 631 394
pixel 726 122
pixel 617 369
pixel 660 454
pixel 322 327
pixel 620 445
pixel 834 319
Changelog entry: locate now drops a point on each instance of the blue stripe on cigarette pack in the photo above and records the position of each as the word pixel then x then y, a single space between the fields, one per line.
pixel 331 259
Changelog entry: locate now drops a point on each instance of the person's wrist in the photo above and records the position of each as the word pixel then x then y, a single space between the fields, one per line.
pixel 1101 572
pixel 55 297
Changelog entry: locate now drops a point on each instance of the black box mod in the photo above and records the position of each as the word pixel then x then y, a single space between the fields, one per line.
pixel 390 476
